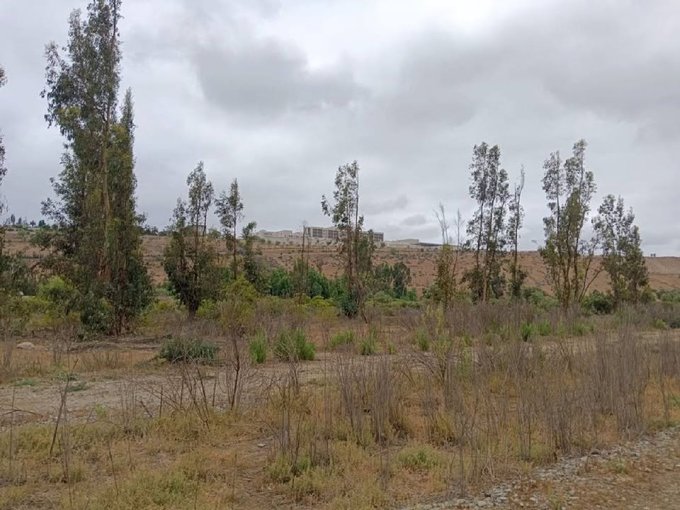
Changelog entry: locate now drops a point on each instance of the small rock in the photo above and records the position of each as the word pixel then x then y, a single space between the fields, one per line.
pixel 261 445
pixel 26 345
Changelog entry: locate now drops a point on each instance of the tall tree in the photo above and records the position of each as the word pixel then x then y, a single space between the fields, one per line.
pixel 517 273
pixel 622 256
pixel 252 269
pixel 487 228
pixel 96 242
pixel 189 260
pixel 568 257
pixel 129 289
pixel 344 213
pixel 230 211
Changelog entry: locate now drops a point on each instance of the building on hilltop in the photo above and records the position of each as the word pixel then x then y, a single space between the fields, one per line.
pixel 278 234
pixel 333 234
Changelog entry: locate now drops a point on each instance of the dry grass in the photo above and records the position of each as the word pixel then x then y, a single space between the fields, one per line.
pixel 344 431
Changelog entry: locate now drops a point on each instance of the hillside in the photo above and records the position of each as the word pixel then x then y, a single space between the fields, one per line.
pixel 664 272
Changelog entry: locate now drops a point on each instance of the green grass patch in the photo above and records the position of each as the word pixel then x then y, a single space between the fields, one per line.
pixel 422 458
pixel 183 350
pixel 343 338
pixel 257 347
pixel 293 345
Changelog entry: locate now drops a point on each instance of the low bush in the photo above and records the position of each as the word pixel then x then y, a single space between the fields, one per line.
pixel 659 324
pixel 422 340
pixel 599 303
pixel 543 328
pixel 419 459
pixel 367 347
pixel 341 339
pixel 208 310
pixel 258 348
pixel 182 350
pixel 293 345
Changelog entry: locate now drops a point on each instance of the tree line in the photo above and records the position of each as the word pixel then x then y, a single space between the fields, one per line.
pixel 94 242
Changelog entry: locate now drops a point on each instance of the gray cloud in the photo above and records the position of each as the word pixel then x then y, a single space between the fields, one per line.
pixel 415 220
pixel 278 94
pixel 267 78
pixel 386 206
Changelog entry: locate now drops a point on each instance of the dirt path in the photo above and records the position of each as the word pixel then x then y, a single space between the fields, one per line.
pixel 640 475
pixel 39 400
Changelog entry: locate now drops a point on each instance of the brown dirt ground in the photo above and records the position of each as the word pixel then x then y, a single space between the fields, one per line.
pixel 664 272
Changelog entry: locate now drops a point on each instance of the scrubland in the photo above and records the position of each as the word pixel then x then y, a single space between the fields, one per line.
pixel 300 407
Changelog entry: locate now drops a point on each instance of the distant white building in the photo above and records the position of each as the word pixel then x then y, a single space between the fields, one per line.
pixel 278 234
pixel 332 233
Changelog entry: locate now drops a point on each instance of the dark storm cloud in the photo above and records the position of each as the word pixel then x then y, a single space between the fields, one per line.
pixel 279 94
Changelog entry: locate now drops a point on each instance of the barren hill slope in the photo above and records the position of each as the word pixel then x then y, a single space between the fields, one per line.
pixel 664 272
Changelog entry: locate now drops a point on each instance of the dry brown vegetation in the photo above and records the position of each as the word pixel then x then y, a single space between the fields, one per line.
pixel 447 405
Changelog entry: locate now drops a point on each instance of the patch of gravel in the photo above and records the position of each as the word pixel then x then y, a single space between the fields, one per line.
pixel 643 474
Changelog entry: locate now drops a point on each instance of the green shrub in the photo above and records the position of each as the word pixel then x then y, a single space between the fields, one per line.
pixel 58 292
pixel 599 303
pixel 208 310
pixel 659 324
pixel 96 314
pixel 419 459
pixel 280 283
pixel 526 331
pixel 342 338
pixel 669 296
pixel 543 328
pixel 422 340
pixel 258 348
pixel 581 328
pixel 367 347
pixel 538 298
pixel 293 345
pixel 181 350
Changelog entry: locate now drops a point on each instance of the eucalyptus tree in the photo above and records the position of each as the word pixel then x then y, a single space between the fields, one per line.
pixel 229 208
pixel 343 211
pixel 622 256
pixel 487 228
pixel 190 260
pixel 252 270
pixel 97 239
pixel 567 255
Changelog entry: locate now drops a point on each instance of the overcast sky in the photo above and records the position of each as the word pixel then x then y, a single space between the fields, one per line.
pixel 280 93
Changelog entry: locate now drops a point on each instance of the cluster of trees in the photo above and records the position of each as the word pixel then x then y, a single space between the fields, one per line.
pixel 493 235
pixel 94 239
pixel 196 273
pixel 191 260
